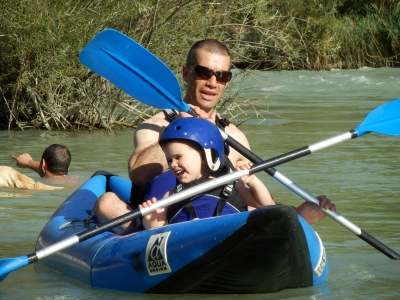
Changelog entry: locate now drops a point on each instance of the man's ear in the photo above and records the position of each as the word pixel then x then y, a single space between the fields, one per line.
pixel 185 72
pixel 43 165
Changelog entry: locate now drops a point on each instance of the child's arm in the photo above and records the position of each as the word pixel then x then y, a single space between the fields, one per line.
pixel 253 190
pixel 155 219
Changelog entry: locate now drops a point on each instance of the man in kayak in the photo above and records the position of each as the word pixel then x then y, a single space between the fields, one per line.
pixel 207 73
pixel 194 150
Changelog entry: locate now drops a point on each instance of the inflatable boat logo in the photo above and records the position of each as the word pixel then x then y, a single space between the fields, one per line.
pixel 156 254
pixel 319 269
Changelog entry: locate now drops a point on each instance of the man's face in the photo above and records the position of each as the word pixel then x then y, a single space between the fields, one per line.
pixel 206 93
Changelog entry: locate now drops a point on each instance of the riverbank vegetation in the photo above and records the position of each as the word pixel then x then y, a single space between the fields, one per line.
pixel 43 84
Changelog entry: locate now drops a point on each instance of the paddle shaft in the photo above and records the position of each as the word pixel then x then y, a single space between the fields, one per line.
pixel 303 193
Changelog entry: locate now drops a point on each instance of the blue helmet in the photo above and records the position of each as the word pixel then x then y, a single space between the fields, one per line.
pixel 200 131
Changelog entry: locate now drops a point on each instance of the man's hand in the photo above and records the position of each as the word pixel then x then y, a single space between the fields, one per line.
pixel 23 160
pixel 212 116
pixel 312 213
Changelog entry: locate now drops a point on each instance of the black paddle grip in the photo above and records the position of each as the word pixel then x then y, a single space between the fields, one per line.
pixel 379 246
pixel 109 225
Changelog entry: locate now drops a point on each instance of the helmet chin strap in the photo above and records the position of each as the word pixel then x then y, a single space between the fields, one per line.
pixel 213 166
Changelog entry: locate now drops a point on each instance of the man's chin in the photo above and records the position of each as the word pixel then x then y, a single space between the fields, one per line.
pixel 207 105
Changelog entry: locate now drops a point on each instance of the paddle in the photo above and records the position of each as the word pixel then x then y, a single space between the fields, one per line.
pixel 9 265
pixel 139 73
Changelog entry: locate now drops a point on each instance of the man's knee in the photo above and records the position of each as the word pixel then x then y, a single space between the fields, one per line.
pixel 109 206
pixel 105 201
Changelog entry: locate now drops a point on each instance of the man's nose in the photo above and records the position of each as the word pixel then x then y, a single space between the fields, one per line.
pixel 212 81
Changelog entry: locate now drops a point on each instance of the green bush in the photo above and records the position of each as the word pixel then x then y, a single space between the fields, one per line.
pixel 43 84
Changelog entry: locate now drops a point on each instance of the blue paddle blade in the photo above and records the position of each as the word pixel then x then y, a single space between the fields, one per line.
pixel 133 69
pixel 384 119
pixel 9 265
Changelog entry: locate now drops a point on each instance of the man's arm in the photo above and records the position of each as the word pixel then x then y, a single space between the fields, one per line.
pixel 147 160
pixel 312 212
pixel 253 190
pixel 235 157
pixel 239 160
pixel 26 161
pixel 146 163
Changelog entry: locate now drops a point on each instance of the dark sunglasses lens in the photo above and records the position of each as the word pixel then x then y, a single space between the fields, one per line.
pixel 203 72
pixel 206 73
pixel 223 76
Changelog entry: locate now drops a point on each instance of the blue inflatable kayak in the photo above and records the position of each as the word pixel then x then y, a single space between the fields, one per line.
pixel 260 251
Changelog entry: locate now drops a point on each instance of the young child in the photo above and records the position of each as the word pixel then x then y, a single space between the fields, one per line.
pixel 194 150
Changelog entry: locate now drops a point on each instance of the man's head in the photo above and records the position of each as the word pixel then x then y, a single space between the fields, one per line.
pixel 203 92
pixel 55 161
pixel 211 46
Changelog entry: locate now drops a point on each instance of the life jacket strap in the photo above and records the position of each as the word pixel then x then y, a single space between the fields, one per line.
pixel 191 210
pixel 170 114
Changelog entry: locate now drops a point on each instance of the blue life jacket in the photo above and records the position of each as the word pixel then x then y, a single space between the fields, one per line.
pixel 157 187
pixel 214 203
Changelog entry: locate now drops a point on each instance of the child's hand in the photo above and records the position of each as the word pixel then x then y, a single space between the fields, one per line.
pixel 245 179
pixel 153 216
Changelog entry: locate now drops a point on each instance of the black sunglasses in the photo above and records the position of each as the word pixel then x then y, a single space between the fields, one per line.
pixel 207 73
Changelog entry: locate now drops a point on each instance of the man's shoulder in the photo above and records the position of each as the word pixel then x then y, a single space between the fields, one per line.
pixel 234 131
pixel 149 131
pixel 156 123
pixel 157 119
pixel 62 179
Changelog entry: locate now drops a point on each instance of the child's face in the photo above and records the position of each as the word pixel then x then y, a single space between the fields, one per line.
pixel 184 162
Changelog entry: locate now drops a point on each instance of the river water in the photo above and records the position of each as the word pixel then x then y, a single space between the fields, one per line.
pixel 360 176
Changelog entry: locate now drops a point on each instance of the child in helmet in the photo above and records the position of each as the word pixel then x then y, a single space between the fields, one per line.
pixel 194 150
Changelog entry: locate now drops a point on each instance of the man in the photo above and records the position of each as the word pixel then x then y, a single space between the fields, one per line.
pixel 54 165
pixel 55 162
pixel 207 73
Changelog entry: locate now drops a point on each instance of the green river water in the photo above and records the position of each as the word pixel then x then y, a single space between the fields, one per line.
pixel 361 176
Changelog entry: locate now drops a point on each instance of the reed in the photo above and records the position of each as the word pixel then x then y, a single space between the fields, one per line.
pixel 43 84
